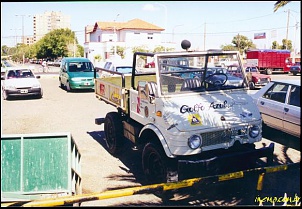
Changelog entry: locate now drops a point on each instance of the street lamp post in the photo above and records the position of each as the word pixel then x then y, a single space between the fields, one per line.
pixel 22 29
pixel 294 45
pixel 16 35
pixel 166 20
pixel 22 25
pixel 173 31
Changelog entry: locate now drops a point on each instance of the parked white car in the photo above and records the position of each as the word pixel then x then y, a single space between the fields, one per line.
pixel 20 81
pixel 279 105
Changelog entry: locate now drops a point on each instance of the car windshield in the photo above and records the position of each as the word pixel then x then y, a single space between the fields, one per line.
pixel 124 69
pixel 80 67
pixel 26 73
pixel 251 69
pixel 198 72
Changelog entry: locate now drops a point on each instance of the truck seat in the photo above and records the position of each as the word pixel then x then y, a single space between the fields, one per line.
pixel 190 83
pixel 152 87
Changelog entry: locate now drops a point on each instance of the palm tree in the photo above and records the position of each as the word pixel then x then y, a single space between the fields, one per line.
pixel 280 4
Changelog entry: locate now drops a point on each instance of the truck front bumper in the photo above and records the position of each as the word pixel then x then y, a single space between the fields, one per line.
pixel 224 161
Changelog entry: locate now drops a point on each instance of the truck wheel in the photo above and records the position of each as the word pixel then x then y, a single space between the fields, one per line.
pixel 156 165
pixel 251 85
pixel 268 72
pixel 113 132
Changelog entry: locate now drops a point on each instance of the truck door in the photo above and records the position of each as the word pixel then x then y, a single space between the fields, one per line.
pixel 142 102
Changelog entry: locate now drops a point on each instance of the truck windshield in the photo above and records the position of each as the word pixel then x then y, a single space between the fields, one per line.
pixel 200 72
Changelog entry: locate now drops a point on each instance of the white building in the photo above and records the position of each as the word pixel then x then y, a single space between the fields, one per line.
pixel 44 23
pixel 103 38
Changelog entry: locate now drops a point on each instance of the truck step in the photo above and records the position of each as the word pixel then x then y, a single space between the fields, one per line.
pixel 99 121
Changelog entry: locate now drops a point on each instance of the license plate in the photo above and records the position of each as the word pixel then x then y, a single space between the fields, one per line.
pixel 24 91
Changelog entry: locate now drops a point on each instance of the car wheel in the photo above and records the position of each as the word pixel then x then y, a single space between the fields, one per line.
pixel 251 85
pixel 41 94
pixel 68 88
pixel 113 128
pixel 61 85
pixel 4 95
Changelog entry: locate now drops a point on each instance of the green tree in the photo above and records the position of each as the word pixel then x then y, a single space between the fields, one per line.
pixel 280 4
pixel 275 45
pixel 240 43
pixel 57 43
pixel 162 49
pixel 120 51
pixel 228 47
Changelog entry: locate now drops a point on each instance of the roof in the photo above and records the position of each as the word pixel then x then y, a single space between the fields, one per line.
pixel 295 82
pixel 270 50
pixel 76 59
pixel 132 24
pixel 89 28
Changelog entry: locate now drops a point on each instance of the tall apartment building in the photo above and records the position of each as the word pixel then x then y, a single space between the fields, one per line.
pixel 44 23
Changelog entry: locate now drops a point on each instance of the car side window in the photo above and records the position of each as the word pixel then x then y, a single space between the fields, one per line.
pixel 294 97
pixel 277 92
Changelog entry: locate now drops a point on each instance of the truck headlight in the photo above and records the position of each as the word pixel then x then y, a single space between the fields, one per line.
pixel 254 131
pixel 194 141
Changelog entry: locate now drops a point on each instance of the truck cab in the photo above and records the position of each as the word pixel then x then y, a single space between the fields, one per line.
pixel 182 115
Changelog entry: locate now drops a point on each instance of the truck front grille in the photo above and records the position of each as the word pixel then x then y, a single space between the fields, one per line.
pixel 224 136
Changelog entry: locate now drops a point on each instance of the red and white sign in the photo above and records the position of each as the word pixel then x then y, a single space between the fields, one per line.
pixel 259 36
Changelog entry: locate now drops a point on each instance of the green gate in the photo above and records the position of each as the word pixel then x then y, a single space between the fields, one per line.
pixel 35 166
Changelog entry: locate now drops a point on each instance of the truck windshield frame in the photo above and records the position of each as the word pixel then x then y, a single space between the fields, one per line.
pixel 198 72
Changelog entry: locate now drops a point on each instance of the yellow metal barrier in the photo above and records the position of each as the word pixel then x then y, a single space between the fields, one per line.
pixel 148 189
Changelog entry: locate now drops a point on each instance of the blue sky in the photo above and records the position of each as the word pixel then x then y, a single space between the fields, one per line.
pixel 207 24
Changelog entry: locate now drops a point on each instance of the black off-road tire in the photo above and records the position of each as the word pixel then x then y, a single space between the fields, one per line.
pixel 156 166
pixel 113 128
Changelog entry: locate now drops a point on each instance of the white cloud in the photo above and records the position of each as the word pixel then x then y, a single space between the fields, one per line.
pixel 150 7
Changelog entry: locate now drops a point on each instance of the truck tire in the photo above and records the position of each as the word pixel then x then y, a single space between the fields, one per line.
pixel 113 128
pixel 156 165
pixel 269 71
pixel 156 168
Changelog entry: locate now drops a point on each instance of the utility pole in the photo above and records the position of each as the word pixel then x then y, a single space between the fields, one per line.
pixel 22 32
pixel 166 22
pixel 115 36
pixel 204 37
pixel 288 11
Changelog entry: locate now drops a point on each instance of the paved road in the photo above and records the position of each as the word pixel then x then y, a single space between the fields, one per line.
pixel 59 111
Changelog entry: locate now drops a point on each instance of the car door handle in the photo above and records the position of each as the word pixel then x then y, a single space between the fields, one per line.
pixel 262 102
pixel 286 109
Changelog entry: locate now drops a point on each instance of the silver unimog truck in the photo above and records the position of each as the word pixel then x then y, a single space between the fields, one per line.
pixel 187 116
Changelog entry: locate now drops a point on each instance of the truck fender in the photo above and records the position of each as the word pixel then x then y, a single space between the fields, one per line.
pixel 161 138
